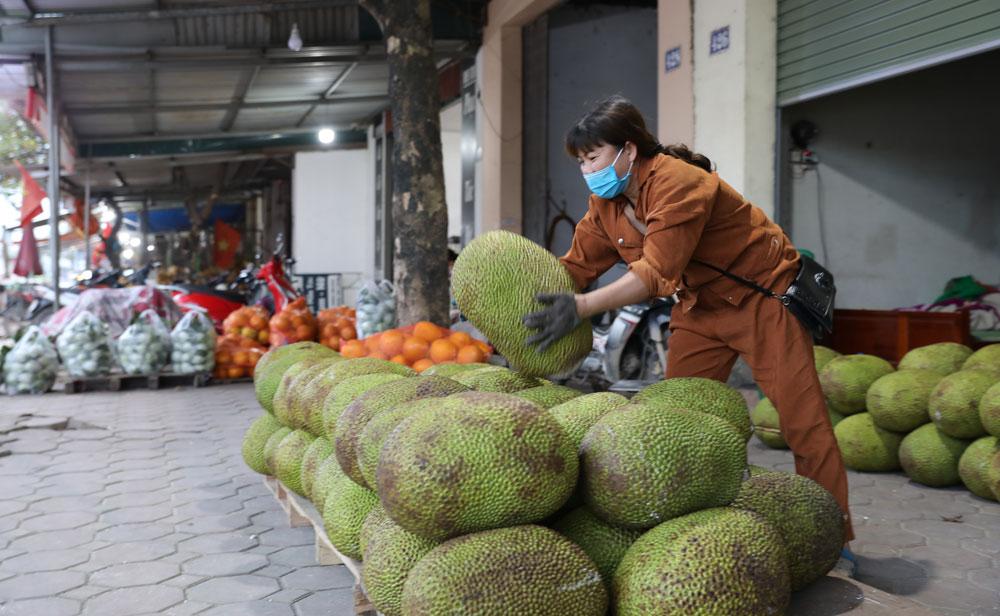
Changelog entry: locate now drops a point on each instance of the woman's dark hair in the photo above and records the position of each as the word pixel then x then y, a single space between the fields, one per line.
pixel 616 120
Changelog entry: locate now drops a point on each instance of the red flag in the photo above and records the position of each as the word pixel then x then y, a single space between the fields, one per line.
pixel 27 263
pixel 227 242
pixel 31 196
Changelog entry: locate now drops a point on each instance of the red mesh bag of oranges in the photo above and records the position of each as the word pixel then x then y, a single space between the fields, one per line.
pixel 336 325
pixel 419 346
pixel 295 323
pixel 249 322
pixel 236 356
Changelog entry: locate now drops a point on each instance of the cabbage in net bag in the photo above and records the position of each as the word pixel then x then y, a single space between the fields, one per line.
pixel 144 348
pixel 193 342
pixel 31 366
pixel 85 346
pixel 376 308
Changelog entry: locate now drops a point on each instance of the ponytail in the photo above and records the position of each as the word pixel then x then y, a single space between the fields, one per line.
pixel 682 152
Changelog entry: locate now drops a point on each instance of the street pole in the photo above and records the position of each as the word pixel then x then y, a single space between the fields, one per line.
pixel 54 168
pixel 86 221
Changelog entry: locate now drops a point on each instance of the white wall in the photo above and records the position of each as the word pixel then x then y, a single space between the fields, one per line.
pixel 908 184
pixel 451 150
pixel 333 214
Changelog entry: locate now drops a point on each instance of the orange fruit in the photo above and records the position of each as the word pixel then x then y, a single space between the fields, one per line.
pixel 234 372
pixel 442 350
pixel 460 339
pixel 263 336
pixel 240 358
pixel 372 342
pixel 398 359
pixel 348 333
pixel 470 354
pixel 305 332
pixel 298 320
pixel 247 343
pixel 352 349
pixel 239 319
pixel 485 348
pixel 248 332
pixel 391 343
pixel 281 323
pixel 222 358
pixel 258 322
pixel 333 342
pixel 378 355
pixel 414 348
pixel 422 364
pixel 341 323
pixel 427 331
pixel 329 329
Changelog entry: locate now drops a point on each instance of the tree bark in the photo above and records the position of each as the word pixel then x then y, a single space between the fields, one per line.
pixel 420 214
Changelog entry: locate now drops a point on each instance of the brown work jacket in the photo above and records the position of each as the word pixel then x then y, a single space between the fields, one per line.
pixel 689 214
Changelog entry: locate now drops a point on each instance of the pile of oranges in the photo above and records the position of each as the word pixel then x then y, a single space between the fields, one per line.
pixel 336 326
pixel 419 346
pixel 295 323
pixel 236 356
pixel 248 322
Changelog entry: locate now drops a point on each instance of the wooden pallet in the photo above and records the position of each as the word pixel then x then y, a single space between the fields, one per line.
pixel 301 512
pixel 127 382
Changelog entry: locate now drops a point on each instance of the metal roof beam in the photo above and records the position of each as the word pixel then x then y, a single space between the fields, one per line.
pixel 80 110
pixel 109 15
pixel 239 96
pixel 341 78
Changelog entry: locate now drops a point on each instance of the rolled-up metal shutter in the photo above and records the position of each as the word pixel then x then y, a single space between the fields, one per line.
pixel 826 46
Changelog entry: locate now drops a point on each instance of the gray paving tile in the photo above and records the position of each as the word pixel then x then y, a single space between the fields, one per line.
pixel 54 540
pixel 139 499
pixel 256 608
pixel 219 506
pixel 184 580
pixel 233 589
pixel 275 571
pixel 325 603
pixel 62 504
pixel 225 564
pixel 45 560
pixel 186 608
pixel 132 552
pixel 299 556
pixel 134 574
pixel 128 515
pixel 289 595
pixel 319 577
pixel 217 543
pixel 85 592
pixel 8 507
pixel 142 531
pixel 59 521
pixel 42 584
pixel 134 600
pixel 303 535
pixel 48 606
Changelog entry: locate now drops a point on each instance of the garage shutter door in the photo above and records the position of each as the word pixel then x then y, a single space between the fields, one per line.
pixel 825 46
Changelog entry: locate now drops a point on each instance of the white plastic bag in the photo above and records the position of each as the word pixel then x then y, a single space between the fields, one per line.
pixel 193 343
pixel 85 346
pixel 376 308
pixel 144 347
pixel 31 366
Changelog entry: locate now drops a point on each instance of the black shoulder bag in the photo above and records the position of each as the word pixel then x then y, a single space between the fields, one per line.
pixel 810 297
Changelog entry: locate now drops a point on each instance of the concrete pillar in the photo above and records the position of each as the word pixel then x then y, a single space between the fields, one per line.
pixel 675 73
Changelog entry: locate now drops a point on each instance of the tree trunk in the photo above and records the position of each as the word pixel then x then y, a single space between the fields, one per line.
pixel 419 211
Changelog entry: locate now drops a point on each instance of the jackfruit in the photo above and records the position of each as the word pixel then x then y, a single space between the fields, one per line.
pixel 993 475
pixel 642 465
pixel 292 382
pixel 954 403
pixel 370 441
pixel 320 449
pixel 269 370
pixel 898 400
pixel 989 410
pixel 805 514
pixel 547 396
pixel 271 446
pixel 835 417
pixel 346 392
pixel 495 281
pixel 943 357
pixel 288 459
pixel 476 461
pixel 390 553
pixel 604 544
pixel 374 518
pixel 715 561
pixel 377 400
pixel 255 439
pixel 576 416
pixel 451 369
pixel 327 474
pixel 698 394
pixel 753 470
pixel 846 379
pixel 866 447
pixel 519 570
pixel 344 511
pixel 496 379
pixel 987 358
pixel 973 466
pixel 930 457
pixel 312 388
pixel 822 356
pixel 766 425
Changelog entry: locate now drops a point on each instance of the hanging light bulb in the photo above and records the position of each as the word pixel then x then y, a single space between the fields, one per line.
pixel 326 135
pixel 295 39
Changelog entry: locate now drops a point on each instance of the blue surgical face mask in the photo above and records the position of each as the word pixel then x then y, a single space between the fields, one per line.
pixel 605 182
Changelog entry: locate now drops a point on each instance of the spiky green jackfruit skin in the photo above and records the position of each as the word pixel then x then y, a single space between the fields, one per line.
pixel 639 463
pixel 993 475
pixel 767 425
pixel 320 449
pixel 823 355
pixel 390 553
pixel 477 461
pixel 451 369
pixel 377 400
pixel 898 400
pixel 805 514
pixel 930 457
pixel 707 563
pixel 954 403
pixel 327 474
pixel 372 437
pixel 604 544
pixel 835 417
pixel 989 410
pixel 547 396
pixel 311 389
pixel 974 465
pixel 496 379
pixel 346 392
pixel 288 459
pixel 271 446
pixel 866 447
pixel 292 381
pixel 519 570
pixel 269 370
pixel 578 415
pixel 846 379
pixel 943 357
pixel 344 511
pixel 698 394
pixel 987 358
pixel 255 439
pixel 753 470
pixel 374 518
pixel 495 280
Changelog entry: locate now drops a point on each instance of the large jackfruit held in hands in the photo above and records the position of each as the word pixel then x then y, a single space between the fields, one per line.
pixel 698 394
pixel 519 570
pixel 943 357
pixel 846 379
pixel 898 400
pixel 495 280
pixel 473 462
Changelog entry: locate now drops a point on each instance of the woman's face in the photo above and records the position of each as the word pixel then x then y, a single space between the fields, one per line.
pixel 603 155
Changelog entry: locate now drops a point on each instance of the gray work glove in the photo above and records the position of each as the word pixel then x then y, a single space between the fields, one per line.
pixel 553 322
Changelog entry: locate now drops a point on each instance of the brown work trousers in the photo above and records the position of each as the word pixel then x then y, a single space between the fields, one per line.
pixel 705 342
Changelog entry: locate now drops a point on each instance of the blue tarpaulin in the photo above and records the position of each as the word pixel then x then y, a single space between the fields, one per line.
pixel 176 219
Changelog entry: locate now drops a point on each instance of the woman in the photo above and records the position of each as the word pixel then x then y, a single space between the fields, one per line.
pixel 669 217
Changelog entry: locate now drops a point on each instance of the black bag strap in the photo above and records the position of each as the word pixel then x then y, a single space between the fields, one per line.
pixel 741 280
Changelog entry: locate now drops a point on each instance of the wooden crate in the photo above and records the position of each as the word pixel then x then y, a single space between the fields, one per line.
pixel 126 382
pixel 889 334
